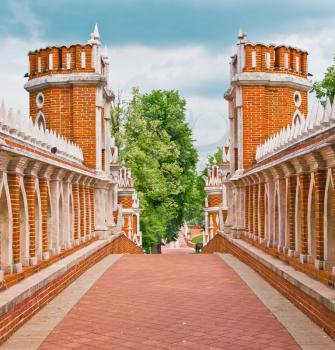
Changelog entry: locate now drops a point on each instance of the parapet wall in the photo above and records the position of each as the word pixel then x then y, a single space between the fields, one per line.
pixel 275 59
pixel 20 303
pixel 311 297
pixel 60 60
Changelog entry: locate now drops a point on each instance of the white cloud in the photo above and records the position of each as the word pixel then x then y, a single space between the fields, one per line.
pixel 319 43
pixel 184 68
pixel 190 69
pixel 14 64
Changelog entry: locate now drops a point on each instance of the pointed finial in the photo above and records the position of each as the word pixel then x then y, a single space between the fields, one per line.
pixel 241 35
pixel 96 32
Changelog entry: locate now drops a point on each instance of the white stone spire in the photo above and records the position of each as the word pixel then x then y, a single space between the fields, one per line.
pixel 96 32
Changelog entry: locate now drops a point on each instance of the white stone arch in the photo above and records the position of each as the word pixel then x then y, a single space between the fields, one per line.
pixel 24 225
pixel 6 227
pixel 38 222
pixel 329 222
pixel 297 226
pixel 311 242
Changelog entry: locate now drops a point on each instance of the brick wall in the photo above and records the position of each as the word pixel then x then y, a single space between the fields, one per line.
pixel 22 312
pixel 265 111
pixel 125 201
pixel 214 200
pixel 314 310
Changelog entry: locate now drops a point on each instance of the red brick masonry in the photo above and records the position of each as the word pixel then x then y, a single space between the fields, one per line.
pixel 317 312
pixel 22 312
pixel 172 301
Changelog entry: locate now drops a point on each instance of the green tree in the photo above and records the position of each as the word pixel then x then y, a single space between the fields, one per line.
pixel 157 144
pixel 326 87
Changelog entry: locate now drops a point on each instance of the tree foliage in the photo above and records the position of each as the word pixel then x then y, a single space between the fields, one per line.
pixel 156 142
pixel 326 87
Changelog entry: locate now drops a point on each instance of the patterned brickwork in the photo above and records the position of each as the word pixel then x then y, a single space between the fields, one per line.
pixel 31 197
pixel 82 210
pixel 246 212
pixel 318 313
pixel 214 200
pixel 21 313
pixel 291 193
pixel 304 181
pixel 14 189
pixel 255 205
pixel 75 190
pixel 251 208
pixel 125 201
pixel 261 209
pixel 91 191
pixel 44 211
pixel 320 177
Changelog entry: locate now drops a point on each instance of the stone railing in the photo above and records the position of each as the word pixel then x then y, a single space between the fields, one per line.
pixel 215 177
pixel 318 120
pixel 23 129
pixel 125 179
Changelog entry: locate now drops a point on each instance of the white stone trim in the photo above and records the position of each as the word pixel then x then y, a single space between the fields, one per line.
pixel 64 80
pixel 39 103
pixel 271 79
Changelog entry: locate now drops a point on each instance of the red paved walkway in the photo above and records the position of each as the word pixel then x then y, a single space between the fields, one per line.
pixel 169 302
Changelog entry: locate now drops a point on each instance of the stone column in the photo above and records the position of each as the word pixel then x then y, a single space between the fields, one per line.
pixel 100 209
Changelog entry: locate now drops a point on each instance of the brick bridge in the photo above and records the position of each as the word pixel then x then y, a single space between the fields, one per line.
pixel 72 273
pixel 176 300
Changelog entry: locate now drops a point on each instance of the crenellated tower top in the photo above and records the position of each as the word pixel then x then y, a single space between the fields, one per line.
pixel 268 90
pixel 68 93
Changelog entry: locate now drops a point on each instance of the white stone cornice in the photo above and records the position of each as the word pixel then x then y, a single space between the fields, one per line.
pixel 57 174
pixel 65 80
pixel 33 167
pixel 271 79
pixel 4 161
pixel 46 171
pixel 17 165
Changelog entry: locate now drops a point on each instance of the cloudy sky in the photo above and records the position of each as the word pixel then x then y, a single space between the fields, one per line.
pixel 167 44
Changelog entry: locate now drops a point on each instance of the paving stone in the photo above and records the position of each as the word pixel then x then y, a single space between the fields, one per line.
pixel 173 301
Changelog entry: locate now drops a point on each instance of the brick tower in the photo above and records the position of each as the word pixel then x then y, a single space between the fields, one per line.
pixel 68 93
pixel 216 197
pixel 268 91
